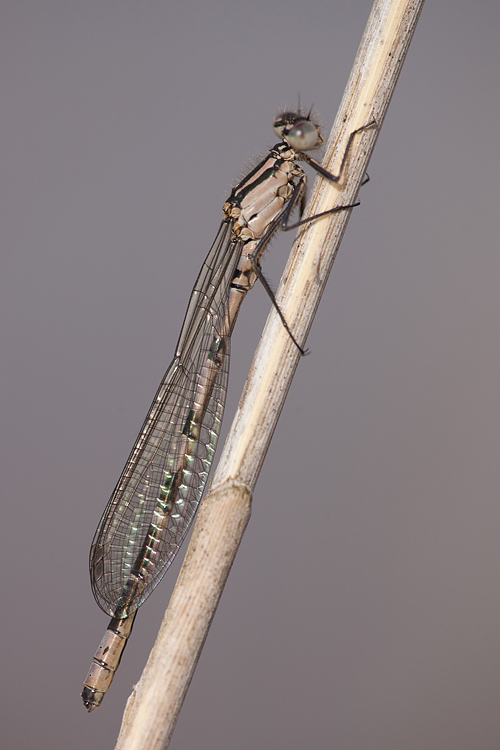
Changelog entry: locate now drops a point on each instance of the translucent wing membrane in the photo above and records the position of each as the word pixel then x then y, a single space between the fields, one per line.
pixel 156 498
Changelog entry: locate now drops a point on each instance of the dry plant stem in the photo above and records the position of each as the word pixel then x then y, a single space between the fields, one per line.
pixel 153 708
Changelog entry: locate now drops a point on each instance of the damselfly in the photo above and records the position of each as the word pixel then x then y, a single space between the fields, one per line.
pixel 158 493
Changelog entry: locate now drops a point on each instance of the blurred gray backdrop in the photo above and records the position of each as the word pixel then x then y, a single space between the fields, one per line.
pixel 363 609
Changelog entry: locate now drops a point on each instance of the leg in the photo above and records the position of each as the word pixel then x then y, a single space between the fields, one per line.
pixel 254 259
pixel 265 284
pixel 285 226
pixel 329 176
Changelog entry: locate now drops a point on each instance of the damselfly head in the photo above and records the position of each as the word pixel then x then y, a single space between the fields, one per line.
pixel 298 130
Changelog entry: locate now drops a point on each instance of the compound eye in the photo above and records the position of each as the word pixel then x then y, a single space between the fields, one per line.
pixel 303 136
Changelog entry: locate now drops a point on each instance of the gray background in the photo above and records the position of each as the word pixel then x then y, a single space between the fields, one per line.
pixel 363 609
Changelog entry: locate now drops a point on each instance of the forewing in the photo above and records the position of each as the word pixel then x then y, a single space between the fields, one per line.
pixel 131 510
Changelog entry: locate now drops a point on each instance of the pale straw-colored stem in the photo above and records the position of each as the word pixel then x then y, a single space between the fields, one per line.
pixel 153 708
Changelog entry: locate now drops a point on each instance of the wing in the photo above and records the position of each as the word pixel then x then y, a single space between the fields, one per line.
pixel 160 463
